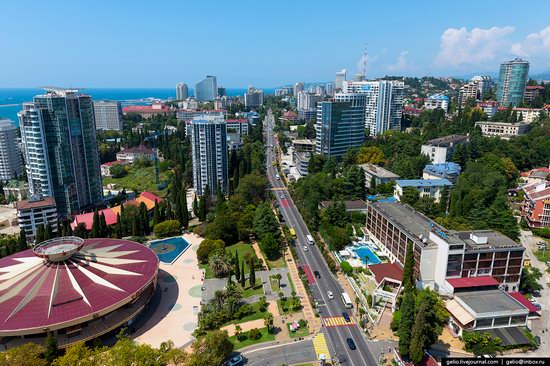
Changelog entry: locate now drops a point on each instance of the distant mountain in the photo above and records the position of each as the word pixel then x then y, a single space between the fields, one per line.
pixel 545 75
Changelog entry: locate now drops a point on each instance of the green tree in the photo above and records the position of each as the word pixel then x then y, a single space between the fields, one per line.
pixel 418 335
pixel 156 214
pixel 268 321
pixel 220 263
pixel 79 231
pixel 208 246
pixel 409 284
pixel 243 278
pixel 103 228
pixel 185 211
pixel 270 246
pixel 39 238
pixel 167 228
pixel 252 276
pixel 410 196
pixel 212 349
pixel 370 155
pixel 195 206
pixel 252 188
pixel 48 232
pixel 237 268
pixel 529 281
pixel 51 351
pixel 79 354
pixel 203 210
pixel 22 241
pixel 265 222
pixel 346 268
pixel 406 323
pixel 95 225
pixel 28 354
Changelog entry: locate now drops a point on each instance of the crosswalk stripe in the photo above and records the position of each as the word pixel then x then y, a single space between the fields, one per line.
pixel 320 345
pixel 335 321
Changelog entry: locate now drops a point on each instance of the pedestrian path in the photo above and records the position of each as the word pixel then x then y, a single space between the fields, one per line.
pixel 336 321
pixel 320 345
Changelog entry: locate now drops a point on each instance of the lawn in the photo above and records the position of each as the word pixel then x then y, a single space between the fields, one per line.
pixel 207 271
pixel 277 263
pixel 290 281
pixel 140 179
pixel 248 291
pixel 245 252
pixel 543 256
pixel 274 284
pixel 301 332
pixel 266 337
pixel 257 314
pixel 282 305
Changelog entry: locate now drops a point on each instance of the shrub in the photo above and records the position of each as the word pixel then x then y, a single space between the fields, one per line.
pixel 208 246
pixel 244 310
pixel 167 228
pixel 254 333
pixel 118 171
pixel 302 323
pixel 346 268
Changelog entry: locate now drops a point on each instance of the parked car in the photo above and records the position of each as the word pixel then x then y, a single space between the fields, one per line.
pixel 316 274
pixel 330 295
pixel 537 341
pixel 346 316
pixel 235 361
pixel 351 344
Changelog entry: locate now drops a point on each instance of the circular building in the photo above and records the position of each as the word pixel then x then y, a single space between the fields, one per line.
pixel 77 289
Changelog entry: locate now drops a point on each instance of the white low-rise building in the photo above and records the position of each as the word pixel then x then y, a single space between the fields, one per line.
pixel 504 130
pixel 34 212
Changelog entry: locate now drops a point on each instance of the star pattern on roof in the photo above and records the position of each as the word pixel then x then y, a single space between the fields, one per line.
pixel 32 277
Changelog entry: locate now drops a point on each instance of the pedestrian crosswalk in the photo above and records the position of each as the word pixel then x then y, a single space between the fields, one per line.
pixel 320 345
pixel 336 321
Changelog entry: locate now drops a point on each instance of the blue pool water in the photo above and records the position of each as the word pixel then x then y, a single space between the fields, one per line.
pixel 366 255
pixel 169 249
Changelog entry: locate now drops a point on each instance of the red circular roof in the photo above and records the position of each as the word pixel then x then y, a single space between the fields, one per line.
pixel 102 276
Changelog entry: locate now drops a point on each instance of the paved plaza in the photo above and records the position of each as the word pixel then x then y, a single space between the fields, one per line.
pixel 175 314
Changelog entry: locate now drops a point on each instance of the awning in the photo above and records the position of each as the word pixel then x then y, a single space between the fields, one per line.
pixel 458 312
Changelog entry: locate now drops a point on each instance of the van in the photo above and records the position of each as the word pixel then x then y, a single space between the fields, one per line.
pixel 310 239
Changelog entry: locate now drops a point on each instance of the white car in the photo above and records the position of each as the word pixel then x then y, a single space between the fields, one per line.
pixel 330 295
pixel 282 196
pixel 305 248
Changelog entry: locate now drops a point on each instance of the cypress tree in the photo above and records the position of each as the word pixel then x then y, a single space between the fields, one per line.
pixel 202 209
pixel 50 349
pixel 408 269
pixel 406 323
pixel 178 209
pixel 237 268
pixel 143 219
pixel 103 229
pixel 68 229
pixel 195 207
pixel 243 279
pixel 135 226
pixel 39 238
pixel 22 241
pixel 235 178
pixel 156 214
pixel 252 279
pixel 48 233
pixel 185 210
pixel 95 225
pixel 418 335
pixel 118 228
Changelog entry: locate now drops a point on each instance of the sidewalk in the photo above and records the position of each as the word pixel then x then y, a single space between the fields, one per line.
pixel 309 314
pixel 245 327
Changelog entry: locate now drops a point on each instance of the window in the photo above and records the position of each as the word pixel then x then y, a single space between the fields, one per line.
pixel 454 264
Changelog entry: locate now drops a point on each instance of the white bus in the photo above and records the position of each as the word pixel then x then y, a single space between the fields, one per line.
pixel 346 300
pixel 310 239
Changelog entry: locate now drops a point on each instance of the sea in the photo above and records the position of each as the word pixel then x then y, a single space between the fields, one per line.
pixel 11 99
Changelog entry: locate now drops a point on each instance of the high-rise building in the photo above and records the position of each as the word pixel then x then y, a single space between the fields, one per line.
pixel 182 92
pixel 340 78
pixel 253 97
pixel 108 115
pixel 474 89
pixel 329 88
pixel 511 82
pixel 307 100
pixel 10 157
pixel 483 84
pixel 384 103
pixel 340 124
pixel 60 148
pixel 298 87
pixel 209 150
pixel 359 77
pixel 206 90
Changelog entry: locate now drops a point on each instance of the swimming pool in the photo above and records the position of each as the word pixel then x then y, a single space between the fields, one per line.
pixel 168 250
pixel 366 254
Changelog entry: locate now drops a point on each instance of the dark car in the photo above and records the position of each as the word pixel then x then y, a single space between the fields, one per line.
pixel 351 344
pixel 316 274
pixel 235 361
pixel 346 316
pixel 537 341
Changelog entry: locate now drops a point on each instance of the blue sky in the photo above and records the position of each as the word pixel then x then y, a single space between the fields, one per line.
pixel 121 43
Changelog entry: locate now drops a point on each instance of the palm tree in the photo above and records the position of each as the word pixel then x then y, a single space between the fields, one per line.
pixel 268 321
pixel 219 299
pixel 233 298
pixel 278 277
pixel 238 331
pixel 220 264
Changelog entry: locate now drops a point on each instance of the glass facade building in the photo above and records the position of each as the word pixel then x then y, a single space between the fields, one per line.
pixel 206 90
pixel 512 80
pixel 340 124
pixel 60 147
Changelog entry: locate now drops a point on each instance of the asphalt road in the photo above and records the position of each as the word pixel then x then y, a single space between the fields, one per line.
pixel 336 336
pixel 287 354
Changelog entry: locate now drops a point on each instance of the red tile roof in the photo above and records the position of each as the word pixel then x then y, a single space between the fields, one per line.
pixel 386 270
pixel 88 218
pixel 528 173
pixel 236 120
pixel 111 163
pixel 29 204
pixel 472 282
pixel 524 301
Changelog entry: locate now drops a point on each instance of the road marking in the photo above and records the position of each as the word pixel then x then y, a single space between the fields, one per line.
pixel 336 321
pixel 320 345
